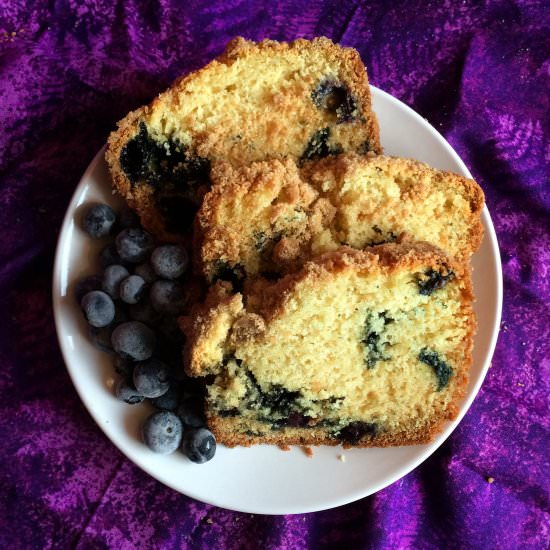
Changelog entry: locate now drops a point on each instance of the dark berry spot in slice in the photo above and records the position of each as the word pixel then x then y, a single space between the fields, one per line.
pixel 141 157
pixel 355 431
pixel 191 172
pixel 365 147
pixel 432 280
pixel 375 344
pixel 382 237
pixel 229 413
pixel 442 370
pixel 297 420
pixel 318 146
pixel 280 400
pixel 336 98
pixel 168 165
pixel 178 212
pixel 235 274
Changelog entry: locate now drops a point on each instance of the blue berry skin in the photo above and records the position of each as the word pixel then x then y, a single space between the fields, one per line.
pixel 101 338
pixel 199 445
pixel 127 218
pixel 134 245
pixel 191 413
pixel 132 289
pixel 146 272
pixel 152 378
pixel 167 297
pixel 98 221
pixel 168 401
pixel 98 308
pixel 133 340
pixel 169 261
pixel 85 285
pixel 127 393
pixel 162 432
pixel 112 277
pixel 109 256
pixel 124 367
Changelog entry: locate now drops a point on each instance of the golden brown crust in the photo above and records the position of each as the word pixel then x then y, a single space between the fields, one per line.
pixel 230 433
pixel 212 144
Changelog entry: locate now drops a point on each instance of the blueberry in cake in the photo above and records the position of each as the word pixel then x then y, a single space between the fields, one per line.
pixel 364 348
pixel 270 216
pixel 302 100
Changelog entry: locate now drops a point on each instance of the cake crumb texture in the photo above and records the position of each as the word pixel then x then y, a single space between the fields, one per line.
pixel 300 100
pixel 271 216
pixel 357 347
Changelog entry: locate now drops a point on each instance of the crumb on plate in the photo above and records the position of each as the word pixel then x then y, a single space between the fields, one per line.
pixel 308 451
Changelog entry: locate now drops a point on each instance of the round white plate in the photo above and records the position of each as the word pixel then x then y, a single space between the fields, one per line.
pixel 264 479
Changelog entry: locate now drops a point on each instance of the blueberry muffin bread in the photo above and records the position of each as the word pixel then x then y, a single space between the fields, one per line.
pixel 271 216
pixel 365 348
pixel 301 100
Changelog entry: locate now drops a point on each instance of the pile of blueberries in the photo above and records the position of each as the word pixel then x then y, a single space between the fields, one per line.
pixel 132 310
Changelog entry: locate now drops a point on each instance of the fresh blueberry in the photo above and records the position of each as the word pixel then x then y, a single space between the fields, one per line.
pixel 133 340
pixel 162 432
pixel 168 401
pixel 98 221
pixel 109 256
pixel 144 312
pixel 98 308
pixel 167 297
pixel 146 272
pixel 127 218
pixel 169 261
pixel 191 412
pixel 134 245
pixel 152 378
pixel 124 367
pixel 101 338
pixel 127 392
pixel 112 277
pixel 132 289
pixel 199 445
pixel 85 285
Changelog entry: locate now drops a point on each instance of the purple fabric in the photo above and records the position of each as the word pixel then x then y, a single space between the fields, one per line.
pixel 69 70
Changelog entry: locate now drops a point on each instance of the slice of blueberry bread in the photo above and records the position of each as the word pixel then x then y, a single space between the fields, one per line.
pixel 271 216
pixel 302 100
pixel 365 348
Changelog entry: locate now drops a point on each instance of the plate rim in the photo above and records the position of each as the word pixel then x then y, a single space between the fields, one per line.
pixel 349 497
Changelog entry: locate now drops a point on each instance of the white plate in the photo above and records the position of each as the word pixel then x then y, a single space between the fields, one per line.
pixel 264 479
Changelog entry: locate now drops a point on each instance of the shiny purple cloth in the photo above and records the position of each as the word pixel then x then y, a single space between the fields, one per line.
pixel 70 69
